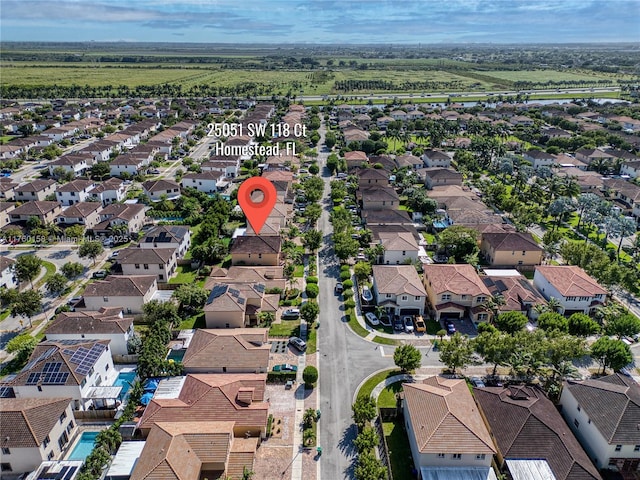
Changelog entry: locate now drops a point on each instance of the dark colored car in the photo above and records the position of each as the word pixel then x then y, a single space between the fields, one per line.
pixel 451 328
pixel 398 325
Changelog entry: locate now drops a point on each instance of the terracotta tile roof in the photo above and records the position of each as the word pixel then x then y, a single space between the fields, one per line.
pixel 398 280
pixel 26 422
pixel 458 279
pixel 212 397
pixel 256 244
pixel 35 186
pixel 525 424
pixel 35 207
pixel 121 286
pixel 105 321
pixel 613 404
pixel 516 291
pixel 237 348
pixel 356 155
pixel 160 185
pixel 571 280
pixel 80 209
pixel 445 417
pixel 397 241
pixel 510 241
pixel 77 185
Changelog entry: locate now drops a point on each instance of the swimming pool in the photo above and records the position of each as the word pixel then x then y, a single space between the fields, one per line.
pixel 84 446
pixel 124 380
pixel 176 355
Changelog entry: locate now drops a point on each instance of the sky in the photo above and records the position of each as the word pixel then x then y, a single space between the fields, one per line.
pixel 322 21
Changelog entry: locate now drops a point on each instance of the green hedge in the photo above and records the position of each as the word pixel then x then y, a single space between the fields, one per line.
pixel 280 377
pixel 347 284
pixel 312 290
pixel 312 279
pixel 345 275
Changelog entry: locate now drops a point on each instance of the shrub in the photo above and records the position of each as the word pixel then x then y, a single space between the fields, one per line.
pixel 348 293
pixel 350 304
pixel 312 290
pixel 345 268
pixel 312 279
pixel 345 275
pixel 347 284
pixel 280 377
pixel 310 375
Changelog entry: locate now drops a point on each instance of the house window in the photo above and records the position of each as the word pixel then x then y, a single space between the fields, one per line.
pixel 39 388
pixel 73 194
pixel 51 455
pixel 463 297
pixel 481 299
pixel 618 448
pixel 146 266
pixel 46 441
pixel 524 253
pixel 6 451
pixel 441 455
pixel 520 262
pixel 446 296
pixel 63 416
pixel 456 456
pixel 388 295
pixel 576 423
pixel 636 448
pixel 106 367
pixel 5 467
pixel 404 298
pixel 482 317
pixel 161 276
pixel 579 408
pixel 404 252
pixel 70 426
pixel 417 299
pixel 570 299
pixel 105 299
pixel 480 456
pixel 137 265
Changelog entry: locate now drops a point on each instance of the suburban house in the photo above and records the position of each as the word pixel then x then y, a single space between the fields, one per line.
pixel 228 166
pixel 206 181
pixel 5 209
pixel 447 435
pixel 518 293
pixel 410 161
pixel 65 368
pixel 46 211
pixel 571 286
pixel 129 293
pixel 510 249
pixel 7 275
pixel 161 262
pixel 456 291
pixel 631 168
pixel 35 190
pixel 603 413
pixel 372 176
pixel 270 277
pixel 437 177
pixel 74 191
pixel 625 194
pixel 76 164
pixel 177 237
pixel 398 289
pixel 591 155
pixel 539 158
pixel 34 430
pixel 256 250
pixel 108 323
pixel 7 189
pixel 355 159
pixel 82 213
pixel 386 217
pixel 193 449
pixel 237 397
pixel 534 430
pixel 129 163
pixel 234 350
pixel 112 190
pixel 238 306
pixel 399 247
pixel 436 158
pixel 156 190
pixel 378 198
pixel 129 215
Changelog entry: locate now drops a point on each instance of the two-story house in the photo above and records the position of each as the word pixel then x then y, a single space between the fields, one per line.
pixel 603 414
pixel 510 249
pixel 82 213
pixel 256 250
pixel 447 435
pixel 156 190
pixel 74 191
pixel 36 190
pixel 129 293
pixel 206 181
pixel 238 305
pixel 78 165
pixel 539 158
pixel 177 237
pixel 45 211
pixel 398 289
pixel 127 215
pixel 436 158
pixel 399 247
pixel 378 197
pixel 161 262
pixel 456 291
pixel 438 177
pixel 112 190
pixel 571 286
pixel 372 176
pixel 34 430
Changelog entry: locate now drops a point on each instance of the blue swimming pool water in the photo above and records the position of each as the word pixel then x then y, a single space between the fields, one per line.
pixel 124 380
pixel 84 446
pixel 176 355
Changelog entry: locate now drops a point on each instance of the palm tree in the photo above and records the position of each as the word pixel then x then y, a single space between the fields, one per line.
pixel 554 304
pixel 493 304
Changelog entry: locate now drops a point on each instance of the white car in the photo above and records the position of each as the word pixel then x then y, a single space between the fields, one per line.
pixel 372 319
pixel 408 324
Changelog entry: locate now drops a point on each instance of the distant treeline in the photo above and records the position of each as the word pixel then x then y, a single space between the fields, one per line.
pixel 385 85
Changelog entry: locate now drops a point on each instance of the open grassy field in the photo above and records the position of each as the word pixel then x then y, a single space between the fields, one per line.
pixel 552 75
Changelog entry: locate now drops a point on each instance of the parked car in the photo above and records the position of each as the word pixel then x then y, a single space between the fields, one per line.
pixel 372 319
pixel 408 324
pixel 298 343
pixel 285 367
pixel 72 302
pixel 367 296
pixel 100 274
pixel 419 324
pixel 451 328
pixel 291 313
pixel 339 287
pixel 114 255
pixel 477 382
pixel 398 326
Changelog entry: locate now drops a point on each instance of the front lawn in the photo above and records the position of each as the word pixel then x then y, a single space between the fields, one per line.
pixel 368 386
pixel 286 328
pixel 387 398
pixel 312 339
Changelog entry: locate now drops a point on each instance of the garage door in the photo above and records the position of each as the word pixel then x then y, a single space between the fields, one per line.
pixel 410 311
pixel 450 315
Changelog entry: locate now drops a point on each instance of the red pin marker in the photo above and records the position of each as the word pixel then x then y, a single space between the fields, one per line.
pixel 257 212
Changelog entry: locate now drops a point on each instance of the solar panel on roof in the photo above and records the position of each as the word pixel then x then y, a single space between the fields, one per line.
pixel 241 300
pixel 260 288
pixel 234 292
pixel 7 392
pixel 501 286
pixel 33 378
pixel 51 367
pixel 58 378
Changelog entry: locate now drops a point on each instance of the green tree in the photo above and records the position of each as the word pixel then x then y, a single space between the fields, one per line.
pixel 344 246
pixel 312 240
pixel 156 311
pixel 210 252
pixel 27 304
pixel 366 440
pixel 494 347
pixel 72 270
pixel 312 213
pixel 191 297
pixel 362 271
pixel 553 321
pixel 312 290
pixel 27 267
pixel 100 171
pixel 456 353
pixel 582 325
pixel 57 284
pixel 611 353
pixel 511 322
pixel 310 375
pixel 368 467
pixel 75 231
pixel 364 410
pixel 625 325
pixel 407 357
pixel 459 241
pixel 110 439
pixel 22 345
pixel 310 416
pixel 91 249
pixel 310 311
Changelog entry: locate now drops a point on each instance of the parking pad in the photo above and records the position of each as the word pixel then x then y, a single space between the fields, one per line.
pixel 279 346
